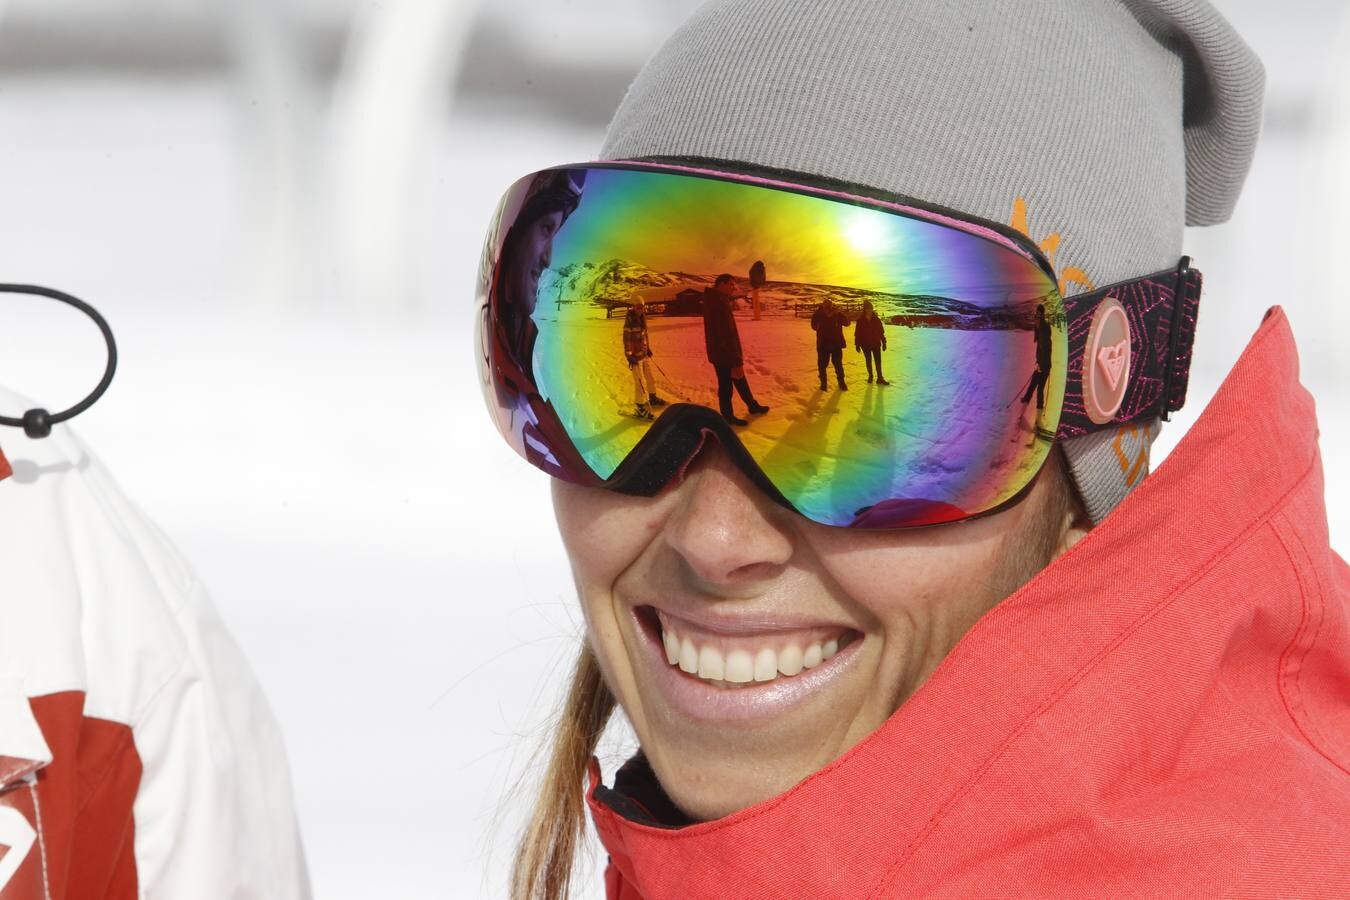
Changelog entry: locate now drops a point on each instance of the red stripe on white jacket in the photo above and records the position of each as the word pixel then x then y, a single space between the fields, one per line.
pixel 138 757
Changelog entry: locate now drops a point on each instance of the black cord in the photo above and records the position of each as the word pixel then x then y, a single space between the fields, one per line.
pixel 37 423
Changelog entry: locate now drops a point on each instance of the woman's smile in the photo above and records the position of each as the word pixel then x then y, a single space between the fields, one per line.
pixel 740 668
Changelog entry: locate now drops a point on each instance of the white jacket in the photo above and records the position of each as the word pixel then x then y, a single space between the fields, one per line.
pixel 138 757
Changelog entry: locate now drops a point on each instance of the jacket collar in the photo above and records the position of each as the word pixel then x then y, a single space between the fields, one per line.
pixel 1254 443
pixel 637 795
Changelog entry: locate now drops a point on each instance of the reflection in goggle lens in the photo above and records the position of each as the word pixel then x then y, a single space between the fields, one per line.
pixel 881 369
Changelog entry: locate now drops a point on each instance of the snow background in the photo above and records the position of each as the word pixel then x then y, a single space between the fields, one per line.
pixel 296 405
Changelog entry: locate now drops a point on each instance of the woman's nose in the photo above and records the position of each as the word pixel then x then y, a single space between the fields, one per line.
pixel 729 536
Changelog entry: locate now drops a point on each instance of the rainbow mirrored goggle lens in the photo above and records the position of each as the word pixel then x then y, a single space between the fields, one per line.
pixel 600 286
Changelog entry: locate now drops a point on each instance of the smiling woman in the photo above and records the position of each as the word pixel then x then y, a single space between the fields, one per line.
pixel 794 641
pixel 916 635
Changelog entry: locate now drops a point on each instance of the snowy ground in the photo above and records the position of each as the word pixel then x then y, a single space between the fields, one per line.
pixel 833 450
pixel 332 476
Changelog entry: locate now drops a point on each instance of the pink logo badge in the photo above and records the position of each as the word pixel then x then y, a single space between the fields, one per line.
pixel 1106 370
pixel 1112 360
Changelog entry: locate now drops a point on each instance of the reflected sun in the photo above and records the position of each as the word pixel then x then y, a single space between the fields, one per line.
pixel 867 232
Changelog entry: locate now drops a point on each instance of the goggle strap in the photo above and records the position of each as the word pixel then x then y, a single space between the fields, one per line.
pixel 1161 311
pixel 1182 336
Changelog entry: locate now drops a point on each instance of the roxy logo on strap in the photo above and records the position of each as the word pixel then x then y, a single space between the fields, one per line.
pixel 1113 360
pixel 1108 348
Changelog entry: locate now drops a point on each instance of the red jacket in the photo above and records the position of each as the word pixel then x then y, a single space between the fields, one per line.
pixel 1162 712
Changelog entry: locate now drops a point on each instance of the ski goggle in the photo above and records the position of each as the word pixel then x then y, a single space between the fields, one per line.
pixel 603 284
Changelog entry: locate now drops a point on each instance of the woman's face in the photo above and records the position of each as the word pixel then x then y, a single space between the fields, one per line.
pixel 532 253
pixel 743 592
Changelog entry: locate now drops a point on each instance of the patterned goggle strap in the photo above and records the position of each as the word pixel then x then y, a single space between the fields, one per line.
pixel 1129 350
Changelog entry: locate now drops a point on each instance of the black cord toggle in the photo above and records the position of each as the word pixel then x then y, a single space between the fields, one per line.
pixel 37 423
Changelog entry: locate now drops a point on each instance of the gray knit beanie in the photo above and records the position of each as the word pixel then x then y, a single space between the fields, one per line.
pixel 1097 127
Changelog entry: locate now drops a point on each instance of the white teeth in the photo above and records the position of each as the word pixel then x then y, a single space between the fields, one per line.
pixel 672 647
pixel 740 667
pixel 688 657
pixel 710 663
pixel 811 658
pixel 766 665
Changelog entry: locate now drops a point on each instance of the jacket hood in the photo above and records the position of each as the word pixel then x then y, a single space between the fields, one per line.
pixel 1163 711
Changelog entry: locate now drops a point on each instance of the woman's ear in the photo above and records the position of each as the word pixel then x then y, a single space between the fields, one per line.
pixel 1076 522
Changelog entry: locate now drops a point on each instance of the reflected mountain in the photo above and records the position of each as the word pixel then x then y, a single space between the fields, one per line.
pixel 615 283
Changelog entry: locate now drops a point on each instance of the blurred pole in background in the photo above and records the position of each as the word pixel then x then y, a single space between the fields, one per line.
pixel 276 102
pixel 399 64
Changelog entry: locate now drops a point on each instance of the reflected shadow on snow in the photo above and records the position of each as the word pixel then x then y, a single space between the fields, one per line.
pixel 948 416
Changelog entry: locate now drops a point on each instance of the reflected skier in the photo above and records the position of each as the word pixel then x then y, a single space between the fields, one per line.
pixel 723 343
pixel 869 336
pixel 1042 373
pixel 829 323
pixel 637 348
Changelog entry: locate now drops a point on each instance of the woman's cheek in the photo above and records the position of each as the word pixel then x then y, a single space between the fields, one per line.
pixel 602 541
pixel 599 533
pixel 899 582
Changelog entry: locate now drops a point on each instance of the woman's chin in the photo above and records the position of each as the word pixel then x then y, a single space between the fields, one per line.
pixel 714 771
pixel 716 788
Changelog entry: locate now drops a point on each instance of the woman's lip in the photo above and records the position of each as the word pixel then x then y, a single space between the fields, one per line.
pixel 701 701
pixel 747 638
pixel 747 624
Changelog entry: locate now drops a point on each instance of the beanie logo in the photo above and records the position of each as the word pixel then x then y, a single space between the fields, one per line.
pixel 1133 458
pixel 1049 246
pixel 1108 344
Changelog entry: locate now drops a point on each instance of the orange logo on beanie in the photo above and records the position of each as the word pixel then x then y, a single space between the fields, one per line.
pixel 1072 274
pixel 1133 459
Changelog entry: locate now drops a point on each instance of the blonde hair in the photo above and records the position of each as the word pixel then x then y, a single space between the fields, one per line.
pixel 548 846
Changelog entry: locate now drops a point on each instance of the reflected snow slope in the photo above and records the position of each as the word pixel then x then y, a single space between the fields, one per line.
pixel 808 434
